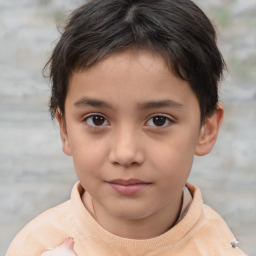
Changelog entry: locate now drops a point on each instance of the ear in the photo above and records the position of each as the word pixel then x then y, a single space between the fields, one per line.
pixel 63 133
pixel 209 131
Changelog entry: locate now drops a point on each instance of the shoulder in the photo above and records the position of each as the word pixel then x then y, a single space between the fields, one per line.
pixel 210 231
pixel 217 230
pixel 48 227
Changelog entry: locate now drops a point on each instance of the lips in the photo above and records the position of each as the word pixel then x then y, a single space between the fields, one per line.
pixel 128 187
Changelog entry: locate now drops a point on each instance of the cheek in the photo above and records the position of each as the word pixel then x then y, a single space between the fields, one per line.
pixel 88 156
pixel 173 171
pixel 173 158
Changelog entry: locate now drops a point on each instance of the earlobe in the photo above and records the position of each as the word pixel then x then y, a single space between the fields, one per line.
pixel 209 131
pixel 63 133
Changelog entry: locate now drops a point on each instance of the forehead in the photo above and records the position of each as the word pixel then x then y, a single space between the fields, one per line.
pixel 145 59
pixel 123 64
pixel 130 76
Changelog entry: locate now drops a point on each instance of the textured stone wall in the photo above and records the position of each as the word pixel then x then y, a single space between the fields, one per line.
pixel 35 174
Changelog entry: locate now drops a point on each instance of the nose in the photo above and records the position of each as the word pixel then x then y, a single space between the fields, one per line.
pixel 126 149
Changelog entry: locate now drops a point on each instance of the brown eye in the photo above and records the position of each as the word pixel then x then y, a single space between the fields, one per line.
pixel 159 121
pixel 96 120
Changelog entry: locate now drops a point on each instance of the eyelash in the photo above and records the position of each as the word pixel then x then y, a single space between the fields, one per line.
pixel 167 121
pixel 101 118
pixel 95 115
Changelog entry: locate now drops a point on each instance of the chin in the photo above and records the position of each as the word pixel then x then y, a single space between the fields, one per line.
pixel 128 213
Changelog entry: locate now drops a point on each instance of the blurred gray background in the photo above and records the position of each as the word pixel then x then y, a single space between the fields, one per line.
pixel 36 175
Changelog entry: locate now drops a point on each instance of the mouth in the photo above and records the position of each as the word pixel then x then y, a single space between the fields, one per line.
pixel 128 187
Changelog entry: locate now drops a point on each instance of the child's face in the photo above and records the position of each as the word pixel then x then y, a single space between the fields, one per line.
pixel 132 129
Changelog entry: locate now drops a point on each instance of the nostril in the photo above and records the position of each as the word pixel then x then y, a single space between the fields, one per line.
pixel 126 158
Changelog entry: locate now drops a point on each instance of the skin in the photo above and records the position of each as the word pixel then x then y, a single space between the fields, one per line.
pixel 65 249
pixel 125 140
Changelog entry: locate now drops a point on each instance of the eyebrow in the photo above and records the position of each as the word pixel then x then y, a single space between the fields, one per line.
pixel 92 103
pixel 160 104
pixel 141 106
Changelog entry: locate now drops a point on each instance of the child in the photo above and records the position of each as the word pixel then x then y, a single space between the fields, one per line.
pixel 135 92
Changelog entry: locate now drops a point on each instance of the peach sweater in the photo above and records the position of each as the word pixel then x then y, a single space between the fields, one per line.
pixel 201 232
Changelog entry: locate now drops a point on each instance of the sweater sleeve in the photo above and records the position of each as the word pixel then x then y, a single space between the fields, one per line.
pixel 45 231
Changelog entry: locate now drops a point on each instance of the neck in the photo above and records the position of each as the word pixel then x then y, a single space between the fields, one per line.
pixel 142 228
